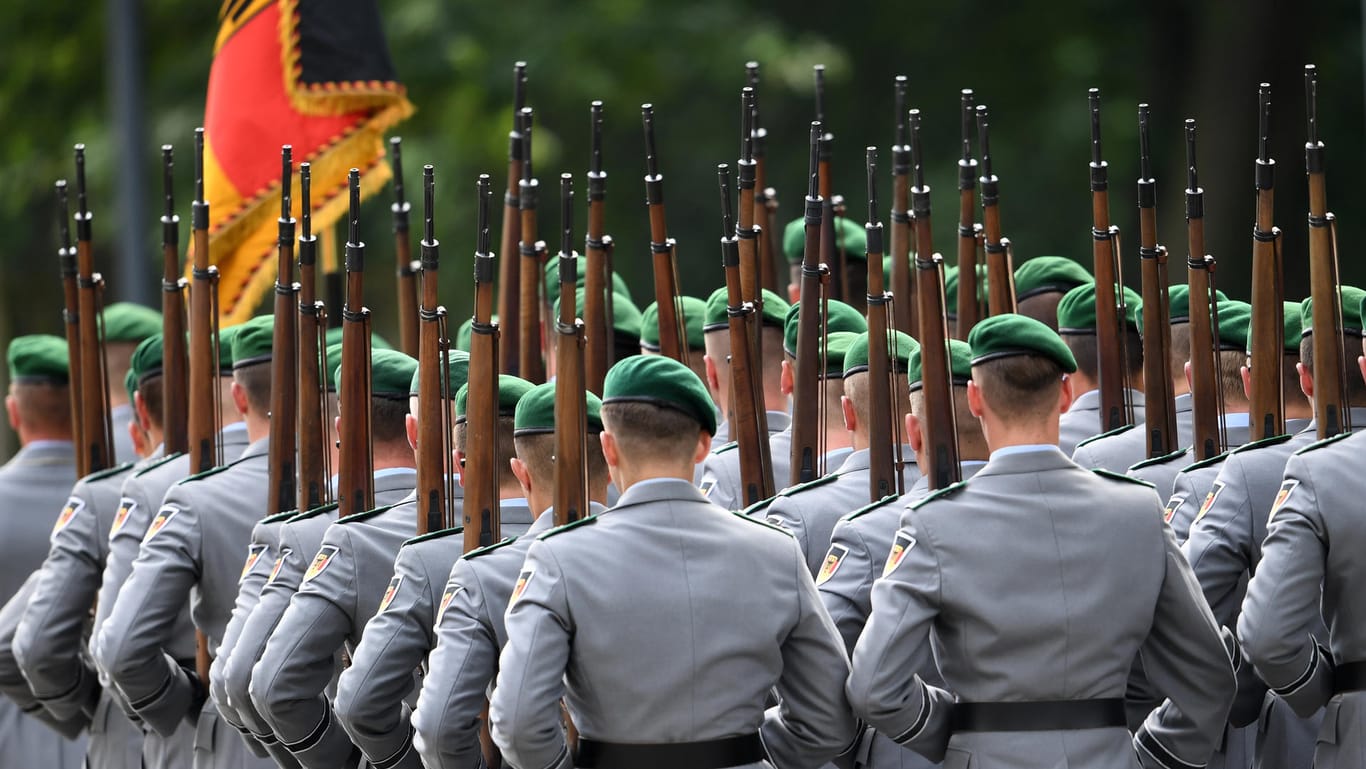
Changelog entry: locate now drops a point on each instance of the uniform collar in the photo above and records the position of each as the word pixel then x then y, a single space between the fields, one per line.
pixel 45 447
pixel 968 468
pixel 778 421
pixel 856 460
pixel 657 489
pixel 1183 403
pixel 1087 401
pixel 1025 459
pixel 395 478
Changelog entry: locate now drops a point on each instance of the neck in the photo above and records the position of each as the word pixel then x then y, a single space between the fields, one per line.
pixel 513 491
pixel 629 476
pixel 858 439
pixel 1082 384
pixel 28 434
pixel 386 457
pixel 257 428
pixel 1180 386
pixel 1000 434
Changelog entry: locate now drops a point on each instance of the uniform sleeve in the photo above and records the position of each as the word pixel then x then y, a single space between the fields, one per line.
pixel 370 693
pixel 812 722
pixel 1086 457
pixel 790 514
pixel 721 481
pixel 1185 659
pixel 259 560
pixel 462 666
pixel 49 638
pixel 1220 545
pixel 12 683
pixel 125 536
pixel 288 683
pixel 846 580
pixel 130 645
pixel 905 602
pixel 524 712
pixel 1282 604
pixel 1186 488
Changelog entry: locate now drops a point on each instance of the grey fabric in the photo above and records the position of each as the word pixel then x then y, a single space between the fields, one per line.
pixel 719 477
pixel 119 417
pixel 1082 419
pixel 1162 475
pixel 1118 452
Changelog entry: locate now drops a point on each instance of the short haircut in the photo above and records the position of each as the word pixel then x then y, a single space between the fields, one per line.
pixel 697 364
pixel 970 436
pixel 1019 386
pixel 507 446
pixel 255 380
pixel 1231 377
pixel 1041 307
pixel 388 420
pixel 1180 350
pixel 1085 349
pixel 43 405
pixel 152 390
pixel 118 358
pixel 1351 343
pixel 537 452
pixel 650 432
pixel 856 390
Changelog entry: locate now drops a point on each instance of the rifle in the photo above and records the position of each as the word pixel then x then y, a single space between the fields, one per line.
pixel 746 410
pixel 174 352
pixel 480 474
pixel 434 492
pixel 883 477
pixel 940 463
pixel 313 419
pixel 969 310
pixel 832 250
pixel 403 254
pixel 747 234
pixel 1266 400
pixel 1330 383
pixel 66 262
pixel 597 310
pixel 1000 264
pixel 509 298
pixel 771 265
pixel 806 429
pixel 1206 389
pixel 1115 408
pixel 531 364
pixel 903 277
pixel 1160 423
pixel 284 362
pixel 571 407
pixel 97 432
pixel 673 335
pixel 355 471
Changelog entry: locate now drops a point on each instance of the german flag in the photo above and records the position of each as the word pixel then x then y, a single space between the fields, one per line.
pixel 315 74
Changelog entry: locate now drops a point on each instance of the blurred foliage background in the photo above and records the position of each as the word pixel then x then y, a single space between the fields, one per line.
pixel 1030 62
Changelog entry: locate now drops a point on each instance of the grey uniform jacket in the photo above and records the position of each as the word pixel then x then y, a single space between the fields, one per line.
pixel 720 476
pixel 1039 581
pixel 1161 472
pixel 1082 419
pixel 1118 450
pixel 1311 560
pixel 810 510
pixel 633 617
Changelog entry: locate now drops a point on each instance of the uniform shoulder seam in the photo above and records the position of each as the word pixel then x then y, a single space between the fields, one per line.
pixel 365 515
pixel 1274 440
pixel 486 549
pixel 723 448
pixel 758 522
pixel 158 463
pixel 433 535
pixel 1102 472
pixel 1325 442
pixel 952 488
pixel 109 472
pixel 1214 460
pixel 821 481
pixel 585 521
pixel 312 513
pixel 1107 434
pixel 887 500
pixel 1158 460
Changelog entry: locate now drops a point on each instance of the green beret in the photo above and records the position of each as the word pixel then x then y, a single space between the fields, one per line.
pixel 1007 335
pixel 334 336
pixel 1179 303
pixel 839 317
pixel 536 412
pixel 254 341
pixel 552 276
pixel 510 392
pixel 465 333
pixel 1351 298
pixel 147 358
pixel 1077 309
pixel 837 345
pixel 856 358
pixel 849 234
pixel 130 383
pixel 128 322
pixel 951 288
pixel 775 309
pixel 663 382
pixel 391 373
pixel 960 365
pixel 332 360
pixel 1045 274
pixel 694 310
pixel 226 335
pixel 625 314
pixel 458 364
pixel 38 358
pixel 1292 328
pixel 1235 323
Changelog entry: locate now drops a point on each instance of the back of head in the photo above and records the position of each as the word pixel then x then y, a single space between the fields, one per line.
pixel 535 440
pixel 145 366
pixel 39 385
pixel 1018 365
pixel 1040 284
pixel 1352 302
pixel 511 390
pixel 655 408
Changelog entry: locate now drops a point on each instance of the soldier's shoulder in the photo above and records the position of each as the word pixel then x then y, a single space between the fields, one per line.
pixel 1210 462
pixel 760 522
pixel 759 507
pixel 571 526
pixel 108 473
pixel 211 472
pixel 364 515
pixel 1162 460
pixel 486 549
pixel 944 493
pixel 1122 478
pixel 304 515
pixel 279 517
pixel 158 463
pixel 725 447
pixel 878 505
pixel 792 491
pixel 1276 440
pixel 1107 434
pixel 431 535
pixel 1316 445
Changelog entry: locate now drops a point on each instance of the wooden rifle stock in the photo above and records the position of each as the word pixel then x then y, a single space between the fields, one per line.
pixel 882 477
pixel 771 264
pixel 1000 270
pixel 480 474
pixel 903 276
pixel 1205 380
pixel 97 433
pixel 509 275
pixel 1330 383
pixel 598 347
pixel 355 471
pixel 284 361
pixel 406 273
pixel 66 261
pixel 203 401
pixel 1160 422
pixel 313 418
pixel 673 335
pixel 969 232
pixel 1266 400
pixel 940 459
pixel 531 365
pixel 1115 409
pixel 832 247
pixel 175 347
pixel 434 397
pixel 747 236
pixel 571 407
pixel 806 427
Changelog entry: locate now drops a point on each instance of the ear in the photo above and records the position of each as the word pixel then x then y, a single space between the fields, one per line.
pixel 975 401
pixel 713 379
pixel 785 378
pixel 1246 374
pixel 609 449
pixel 410 426
pixel 458 462
pixel 703 447
pixel 1306 380
pixel 239 399
pixel 794 292
pixel 914 437
pixel 336 426
pixel 850 418
pixel 520 470
pixel 1361 364
pixel 140 410
pixel 1065 395
pixel 1187 369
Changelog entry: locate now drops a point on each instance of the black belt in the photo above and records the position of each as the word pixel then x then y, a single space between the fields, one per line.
pixel 709 754
pixel 1042 716
pixel 1349 677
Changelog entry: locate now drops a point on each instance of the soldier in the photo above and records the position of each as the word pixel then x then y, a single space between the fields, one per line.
pixel 1041 582
pixel 397 640
pixel 126 325
pixel 49 641
pixel 858 545
pixel 1310 573
pixel 690 678
pixel 1040 284
pixel 693 312
pixel 809 511
pixel 1077 326
pixel 342 589
pixel 626 321
pixel 716 336
pixel 192 550
pixel 951 294
pixel 34 483
pixel 851 241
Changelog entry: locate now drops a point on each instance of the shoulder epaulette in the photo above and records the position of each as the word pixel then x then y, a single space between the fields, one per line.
pixel 1107 434
pixel 1324 442
pixel 1275 440
pixel 1214 460
pixel 433 535
pixel 761 522
pixel 723 448
pixel 757 506
pixel 319 510
pixel 365 515
pixel 1102 472
pixel 821 481
pixel 212 471
pixel 940 494
pixel 486 549
pixel 887 500
pixel 158 463
pixel 109 472
pixel 585 521
pixel 1165 458
pixel 279 517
